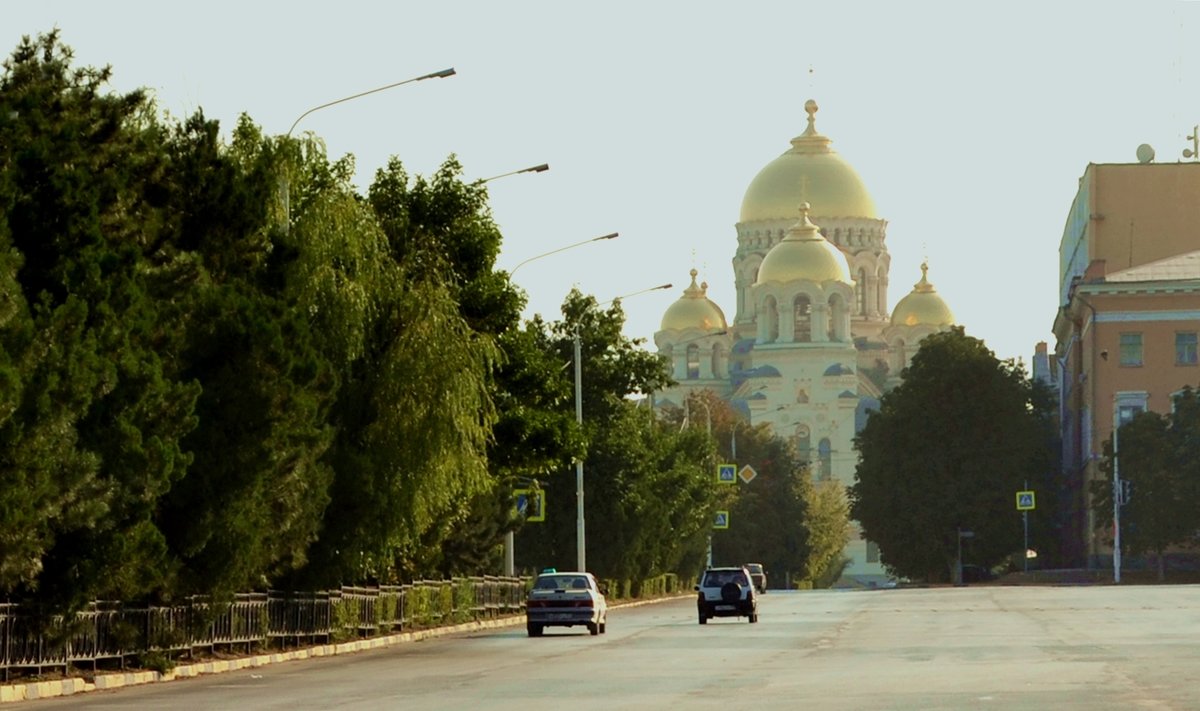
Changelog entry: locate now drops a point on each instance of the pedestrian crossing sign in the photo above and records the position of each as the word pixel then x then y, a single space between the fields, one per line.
pixel 726 473
pixel 1025 501
pixel 721 520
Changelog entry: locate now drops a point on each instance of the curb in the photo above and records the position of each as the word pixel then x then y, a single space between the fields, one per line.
pixel 11 693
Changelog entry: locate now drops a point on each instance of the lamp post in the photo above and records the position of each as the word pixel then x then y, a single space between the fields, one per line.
pixel 541 168
pixel 1116 494
pixel 611 235
pixel 509 538
pixel 580 526
pixel 287 210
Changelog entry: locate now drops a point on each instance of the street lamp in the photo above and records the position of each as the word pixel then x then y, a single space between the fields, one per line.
pixel 509 538
pixel 611 235
pixel 580 527
pixel 287 210
pixel 435 75
pixel 532 169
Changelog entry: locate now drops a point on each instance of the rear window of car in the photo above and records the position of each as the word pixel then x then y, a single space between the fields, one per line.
pixel 717 578
pixel 754 568
pixel 561 582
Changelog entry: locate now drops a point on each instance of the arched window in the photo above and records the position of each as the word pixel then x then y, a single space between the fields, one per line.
pixel 771 314
pixel 837 315
pixel 693 362
pixel 825 452
pixel 860 293
pixel 881 290
pixel 802 319
pixel 718 355
pixel 803 444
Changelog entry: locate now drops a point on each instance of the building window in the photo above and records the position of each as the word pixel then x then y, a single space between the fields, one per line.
pixel 860 293
pixel 825 451
pixel 1131 349
pixel 1125 413
pixel 1185 348
pixel 802 324
pixel 693 362
pixel 872 552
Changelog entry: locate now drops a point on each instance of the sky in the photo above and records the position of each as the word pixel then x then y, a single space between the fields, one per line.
pixel 970 123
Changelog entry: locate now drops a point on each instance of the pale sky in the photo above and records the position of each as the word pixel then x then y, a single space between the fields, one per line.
pixel 970 123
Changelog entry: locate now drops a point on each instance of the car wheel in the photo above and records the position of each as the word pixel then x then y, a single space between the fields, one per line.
pixel 533 630
pixel 753 617
pixel 604 625
pixel 594 628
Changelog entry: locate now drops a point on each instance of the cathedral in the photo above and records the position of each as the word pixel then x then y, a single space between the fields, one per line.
pixel 812 345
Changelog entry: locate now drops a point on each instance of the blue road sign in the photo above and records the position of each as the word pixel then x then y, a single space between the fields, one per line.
pixel 721 520
pixel 1025 501
pixel 726 473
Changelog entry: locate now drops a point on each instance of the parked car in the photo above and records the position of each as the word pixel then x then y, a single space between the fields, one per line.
pixel 758 576
pixel 565 600
pixel 726 592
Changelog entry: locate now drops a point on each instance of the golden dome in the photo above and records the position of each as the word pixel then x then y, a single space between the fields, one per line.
pixel 694 310
pixel 810 172
pixel 804 254
pixel 922 306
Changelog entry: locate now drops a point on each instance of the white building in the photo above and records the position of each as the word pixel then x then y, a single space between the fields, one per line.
pixel 812 345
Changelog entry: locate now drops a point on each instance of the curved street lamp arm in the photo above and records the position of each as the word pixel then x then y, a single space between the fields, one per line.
pixel 435 75
pixel 533 169
pixel 561 249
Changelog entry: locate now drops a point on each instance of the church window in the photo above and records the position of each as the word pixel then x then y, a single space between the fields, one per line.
pixel 825 452
pixel 1131 349
pixel 693 362
pixel 771 314
pixel 837 314
pixel 803 319
pixel 803 443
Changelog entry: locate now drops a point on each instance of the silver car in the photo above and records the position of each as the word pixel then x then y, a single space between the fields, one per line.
pixel 565 600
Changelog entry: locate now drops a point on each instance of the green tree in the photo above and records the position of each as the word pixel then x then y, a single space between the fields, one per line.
pixel 415 411
pixel 94 410
pixel 829 529
pixel 1156 457
pixel 768 517
pixel 946 451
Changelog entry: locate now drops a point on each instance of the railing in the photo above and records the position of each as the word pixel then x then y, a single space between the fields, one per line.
pixel 113 633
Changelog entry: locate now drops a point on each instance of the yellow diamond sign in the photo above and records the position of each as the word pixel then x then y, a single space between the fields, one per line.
pixel 747 473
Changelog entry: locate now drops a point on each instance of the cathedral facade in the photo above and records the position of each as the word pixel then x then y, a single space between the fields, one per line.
pixel 813 344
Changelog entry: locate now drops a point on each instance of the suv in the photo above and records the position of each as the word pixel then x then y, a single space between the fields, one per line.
pixel 726 592
pixel 758 576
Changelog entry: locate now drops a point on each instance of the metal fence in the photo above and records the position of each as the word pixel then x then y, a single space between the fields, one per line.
pixel 113 634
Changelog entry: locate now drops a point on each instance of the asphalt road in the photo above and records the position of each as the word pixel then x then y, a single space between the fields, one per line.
pixel 950 648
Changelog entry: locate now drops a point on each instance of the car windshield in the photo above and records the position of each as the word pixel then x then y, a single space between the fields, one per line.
pixel 754 568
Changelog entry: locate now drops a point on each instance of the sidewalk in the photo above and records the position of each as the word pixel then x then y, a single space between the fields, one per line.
pixel 77 685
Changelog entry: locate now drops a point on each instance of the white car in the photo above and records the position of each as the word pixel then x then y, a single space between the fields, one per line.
pixel 726 592
pixel 565 600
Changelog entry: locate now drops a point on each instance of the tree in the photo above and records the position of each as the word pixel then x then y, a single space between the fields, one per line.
pixel 827 524
pixel 1157 458
pixel 946 451
pixel 94 410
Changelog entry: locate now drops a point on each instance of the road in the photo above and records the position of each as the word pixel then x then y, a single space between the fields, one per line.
pixel 1089 648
